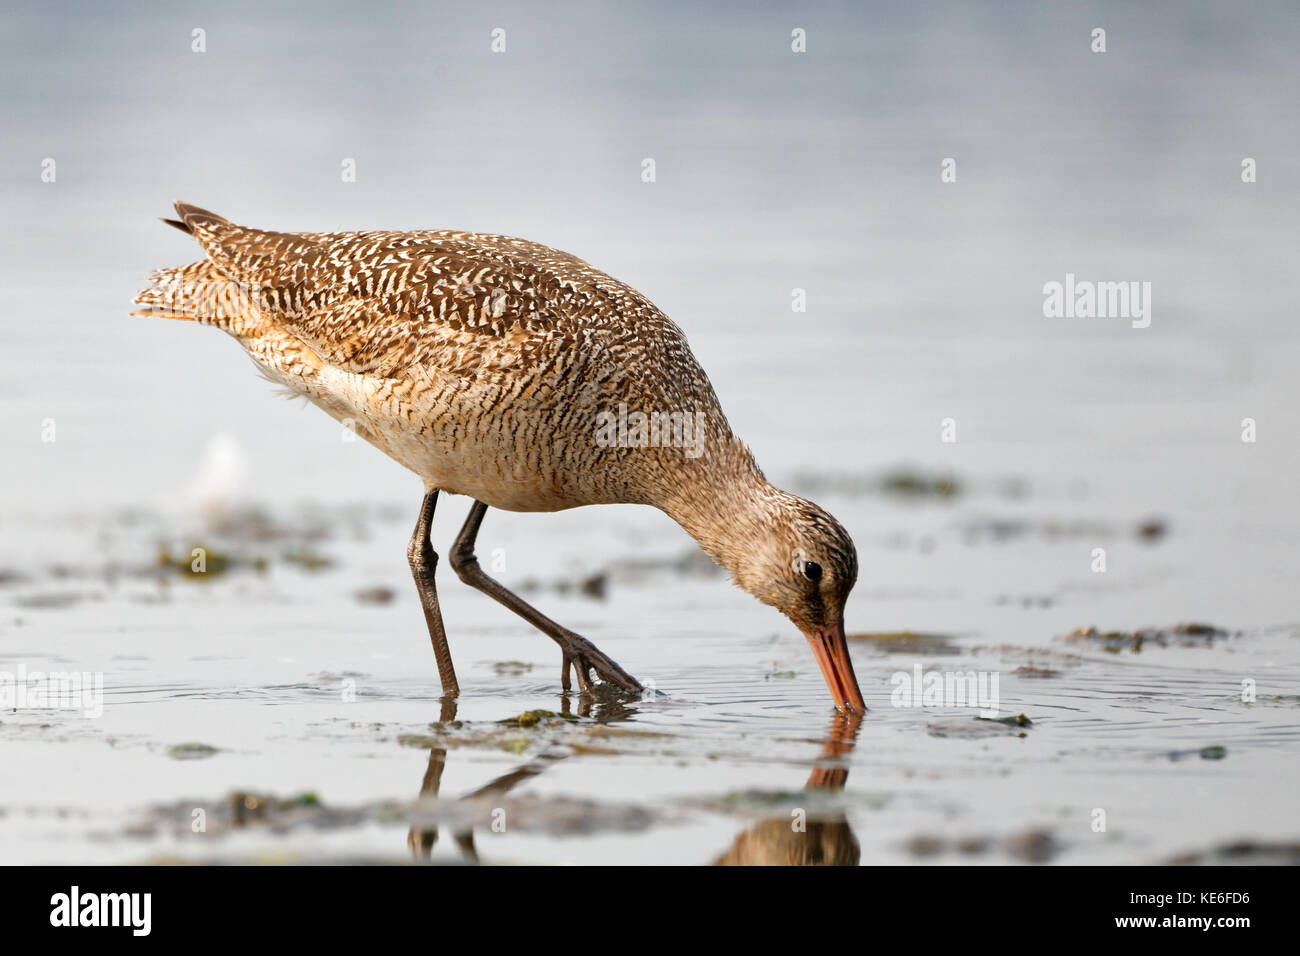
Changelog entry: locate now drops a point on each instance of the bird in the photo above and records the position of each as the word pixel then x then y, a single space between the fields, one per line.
pixel 828 841
pixel 528 380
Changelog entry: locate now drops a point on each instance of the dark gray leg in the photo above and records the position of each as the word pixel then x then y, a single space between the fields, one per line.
pixel 578 651
pixel 423 561
pixel 421 841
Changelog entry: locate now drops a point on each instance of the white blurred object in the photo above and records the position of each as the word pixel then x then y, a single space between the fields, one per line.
pixel 218 489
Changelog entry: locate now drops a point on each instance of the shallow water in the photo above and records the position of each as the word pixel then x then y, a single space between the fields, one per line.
pixel 255 664
pixel 775 173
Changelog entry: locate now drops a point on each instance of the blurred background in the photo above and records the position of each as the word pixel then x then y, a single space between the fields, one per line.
pixel 775 171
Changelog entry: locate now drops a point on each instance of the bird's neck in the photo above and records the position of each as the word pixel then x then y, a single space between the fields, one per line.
pixel 726 505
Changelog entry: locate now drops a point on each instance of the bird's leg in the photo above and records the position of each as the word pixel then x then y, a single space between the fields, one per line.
pixel 421 841
pixel 577 651
pixel 423 561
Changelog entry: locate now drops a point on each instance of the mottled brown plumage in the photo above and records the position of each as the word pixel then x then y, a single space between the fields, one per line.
pixel 483 364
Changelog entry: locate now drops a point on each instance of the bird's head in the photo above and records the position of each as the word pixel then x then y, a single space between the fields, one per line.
pixel 802 562
pixel 783 549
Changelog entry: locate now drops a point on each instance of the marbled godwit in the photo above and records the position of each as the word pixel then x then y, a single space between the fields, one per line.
pixel 489 366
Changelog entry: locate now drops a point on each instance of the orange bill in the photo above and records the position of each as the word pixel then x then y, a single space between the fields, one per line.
pixel 832 653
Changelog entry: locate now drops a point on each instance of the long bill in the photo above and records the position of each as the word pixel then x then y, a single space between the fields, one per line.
pixel 832 652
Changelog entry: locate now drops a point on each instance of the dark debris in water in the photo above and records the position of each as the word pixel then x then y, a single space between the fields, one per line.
pixel 594 586
pixel 1243 853
pixel 1152 530
pixel 192 751
pixel 1019 720
pixel 1181 635
pixel 902 482
pixel 512 668
pixel 1028 846
pixel 963 728
pixel 379 594
pixel 1212 752
pixel 558 816
pixel 531 730
pixel 201 563
pixel 1026 601
pixel 244 810
pixel 996 529
pixel 907 642
pixel 815 804
pixel 532 718
pixel 914 484
pixel 307 558
pixel 1037 673
pixel 978 530
pixel 50 600
pixel 247 808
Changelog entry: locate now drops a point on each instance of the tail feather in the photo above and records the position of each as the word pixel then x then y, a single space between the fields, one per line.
pixel 197 293
pixel 201 292
pixel 200 222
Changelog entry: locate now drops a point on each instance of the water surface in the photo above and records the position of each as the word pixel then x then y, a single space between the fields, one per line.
pixel 775 172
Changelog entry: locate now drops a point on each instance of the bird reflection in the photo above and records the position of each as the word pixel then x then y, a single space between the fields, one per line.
pixel 421 840
pixel 827 841
pixel 781 841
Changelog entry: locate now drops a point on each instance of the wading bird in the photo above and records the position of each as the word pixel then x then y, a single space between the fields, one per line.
pixel 524 378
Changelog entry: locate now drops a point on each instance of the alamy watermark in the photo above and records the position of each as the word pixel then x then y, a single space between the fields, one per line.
pixel 1084 299
pixel 919 688
pixel 633 429
pixel 132 911
pixel 53 690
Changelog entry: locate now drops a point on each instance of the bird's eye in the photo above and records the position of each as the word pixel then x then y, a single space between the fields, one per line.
pixel 813 570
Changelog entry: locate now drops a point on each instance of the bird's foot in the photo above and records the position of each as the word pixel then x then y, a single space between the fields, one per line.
pixel 584 657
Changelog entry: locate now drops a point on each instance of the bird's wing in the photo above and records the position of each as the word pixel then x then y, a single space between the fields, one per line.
pixel 469 304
